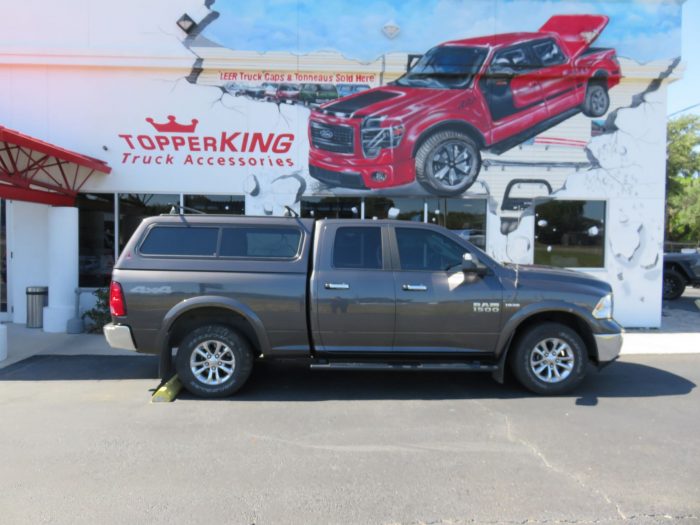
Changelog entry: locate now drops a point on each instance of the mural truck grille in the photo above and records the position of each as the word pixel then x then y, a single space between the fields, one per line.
pixel 329 137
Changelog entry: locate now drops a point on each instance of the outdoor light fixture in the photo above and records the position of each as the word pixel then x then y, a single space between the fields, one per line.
pixel 186 23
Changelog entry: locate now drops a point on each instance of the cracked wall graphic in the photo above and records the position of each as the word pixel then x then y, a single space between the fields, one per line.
pixel 504 102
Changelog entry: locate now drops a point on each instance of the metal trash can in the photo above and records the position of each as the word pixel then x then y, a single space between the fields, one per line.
pixel 37 298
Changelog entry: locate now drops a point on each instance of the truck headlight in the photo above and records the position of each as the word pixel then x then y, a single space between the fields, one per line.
pixel 604 308
pixel 378 133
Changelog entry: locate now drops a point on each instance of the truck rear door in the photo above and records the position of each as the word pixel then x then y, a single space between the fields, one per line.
pixel 353 304
pixel 556 75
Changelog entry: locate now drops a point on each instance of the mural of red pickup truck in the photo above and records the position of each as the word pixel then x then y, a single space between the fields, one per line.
pixel 463 97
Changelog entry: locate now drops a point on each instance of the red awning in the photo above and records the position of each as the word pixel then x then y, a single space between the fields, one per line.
pixel 36 171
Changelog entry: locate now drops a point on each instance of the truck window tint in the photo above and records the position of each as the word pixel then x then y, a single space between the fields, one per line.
pixel 274 243
pixel 548 53
pixel 427 250
pixel 180 240
pixel 511 60
pixel 358 248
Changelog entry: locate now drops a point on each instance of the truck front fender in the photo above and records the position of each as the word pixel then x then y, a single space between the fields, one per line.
pixel 531 311
pixel 440 122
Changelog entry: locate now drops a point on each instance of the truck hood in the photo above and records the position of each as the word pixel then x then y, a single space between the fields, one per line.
pixel 560 279
pixel 577 32
pixel 396 101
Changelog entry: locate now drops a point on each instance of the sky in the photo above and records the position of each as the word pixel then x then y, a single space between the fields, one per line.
pixel 686 92
pixel 640 29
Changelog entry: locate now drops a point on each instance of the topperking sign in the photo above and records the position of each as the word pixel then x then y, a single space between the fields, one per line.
pixel 174 143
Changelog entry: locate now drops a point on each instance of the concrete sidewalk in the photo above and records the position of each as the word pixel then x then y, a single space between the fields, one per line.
pixel 23 342
pixel 679 334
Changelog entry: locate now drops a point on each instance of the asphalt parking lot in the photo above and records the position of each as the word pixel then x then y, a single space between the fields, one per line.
pixel 80 443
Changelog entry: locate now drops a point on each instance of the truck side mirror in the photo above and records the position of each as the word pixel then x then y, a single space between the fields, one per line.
pixel 472 265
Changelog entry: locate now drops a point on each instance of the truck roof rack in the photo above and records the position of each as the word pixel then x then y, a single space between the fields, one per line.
pixel 177 209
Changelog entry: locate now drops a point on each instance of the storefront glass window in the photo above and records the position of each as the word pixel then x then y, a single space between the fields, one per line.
pixel 134 207
pixel 95 238
pixel 331 207
pixel 436 211
pixel 467 217
pixel 217 204
pixel 392 208
pixel 570 234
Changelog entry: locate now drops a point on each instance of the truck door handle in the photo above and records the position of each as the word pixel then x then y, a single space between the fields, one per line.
pixel 415 287
pixel 336 286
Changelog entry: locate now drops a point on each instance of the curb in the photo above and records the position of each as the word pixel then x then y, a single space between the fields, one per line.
pixel 660 344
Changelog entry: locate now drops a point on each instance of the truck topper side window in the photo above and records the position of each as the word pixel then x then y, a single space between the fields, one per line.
pixel 358 248
pixel 180 241
pixel 263 243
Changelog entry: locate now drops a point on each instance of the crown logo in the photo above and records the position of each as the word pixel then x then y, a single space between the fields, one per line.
pixel 172 126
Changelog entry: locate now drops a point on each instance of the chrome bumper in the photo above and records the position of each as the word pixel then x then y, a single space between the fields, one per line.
pixel 608 346
pixel 119 336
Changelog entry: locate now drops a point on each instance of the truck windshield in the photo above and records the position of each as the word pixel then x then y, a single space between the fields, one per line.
pixel 446 67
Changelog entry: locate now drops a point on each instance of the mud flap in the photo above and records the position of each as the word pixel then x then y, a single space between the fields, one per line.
pixel 166 367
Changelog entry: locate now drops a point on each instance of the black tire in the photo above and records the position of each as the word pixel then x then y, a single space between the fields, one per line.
pixel 674 285
pixel 205 339
pixel 437 153
pixel 597 100
pixel 525 360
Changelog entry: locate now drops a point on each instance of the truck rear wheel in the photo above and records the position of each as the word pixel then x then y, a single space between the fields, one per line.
pixel 448 163
pixel 674 285
pixel 597 100
pixel 549 359
pixel 213 361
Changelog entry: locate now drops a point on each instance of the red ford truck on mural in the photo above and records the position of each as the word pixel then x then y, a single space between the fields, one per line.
pixel 462 97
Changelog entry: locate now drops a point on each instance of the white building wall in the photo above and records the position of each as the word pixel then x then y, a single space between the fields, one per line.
pixel 28 242
pixel 124 68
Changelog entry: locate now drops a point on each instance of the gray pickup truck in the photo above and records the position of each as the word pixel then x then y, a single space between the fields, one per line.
pixel 210 294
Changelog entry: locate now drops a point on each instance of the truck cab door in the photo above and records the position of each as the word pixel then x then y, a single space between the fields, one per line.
pixel 511 88
pixel 441 310
pixel 353 303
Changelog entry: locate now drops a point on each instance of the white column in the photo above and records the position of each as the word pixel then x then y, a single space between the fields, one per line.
pixel 63 268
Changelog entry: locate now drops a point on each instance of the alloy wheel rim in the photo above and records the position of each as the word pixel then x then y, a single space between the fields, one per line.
pixel 552 360
pixel 598 101
pixel 452 164
pixel 212 362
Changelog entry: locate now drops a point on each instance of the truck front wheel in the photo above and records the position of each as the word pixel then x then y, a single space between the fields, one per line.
pixel 447 163
pixel 213 361
pixel 549 359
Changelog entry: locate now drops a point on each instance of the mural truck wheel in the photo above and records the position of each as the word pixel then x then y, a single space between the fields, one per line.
pixel 674 285
pixel 549 359
pixel 597 100
pixel 447 163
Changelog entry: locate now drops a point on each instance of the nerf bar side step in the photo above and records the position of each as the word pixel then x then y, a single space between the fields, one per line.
pixel 474 366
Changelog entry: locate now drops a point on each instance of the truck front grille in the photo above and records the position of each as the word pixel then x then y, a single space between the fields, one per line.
pixel 331 137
